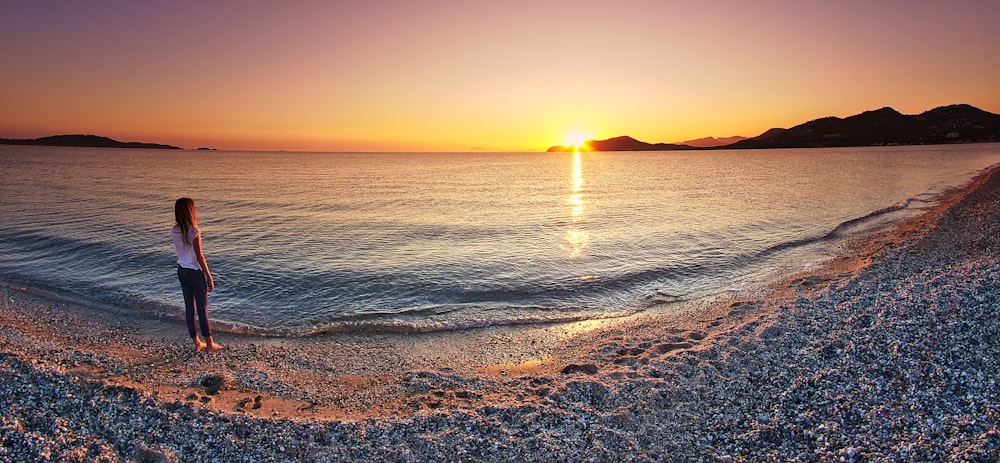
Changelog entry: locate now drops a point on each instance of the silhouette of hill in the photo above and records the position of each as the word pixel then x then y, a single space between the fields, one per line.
pixel 712 142
pixel 87 141
pixel 959 123
pixel 623 143
pixel 947 124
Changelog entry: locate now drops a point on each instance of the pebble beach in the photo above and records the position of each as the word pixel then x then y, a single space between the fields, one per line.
pixel 889 352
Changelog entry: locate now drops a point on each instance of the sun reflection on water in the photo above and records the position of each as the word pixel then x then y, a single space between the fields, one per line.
pixel 577 238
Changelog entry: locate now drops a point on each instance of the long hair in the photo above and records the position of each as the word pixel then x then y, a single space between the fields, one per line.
pixel 184 215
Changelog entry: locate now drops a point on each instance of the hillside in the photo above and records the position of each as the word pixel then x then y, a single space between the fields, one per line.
pixel 959 123
pixel 712 142
pixel 87 141
pixel 886 126
pixel 623 143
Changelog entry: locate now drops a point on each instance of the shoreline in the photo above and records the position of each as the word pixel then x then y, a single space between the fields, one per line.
pixel 886 352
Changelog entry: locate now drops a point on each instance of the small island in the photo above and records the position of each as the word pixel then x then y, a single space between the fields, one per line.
pixel 84 141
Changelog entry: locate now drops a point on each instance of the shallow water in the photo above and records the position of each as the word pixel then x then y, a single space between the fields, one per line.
pixel 301 243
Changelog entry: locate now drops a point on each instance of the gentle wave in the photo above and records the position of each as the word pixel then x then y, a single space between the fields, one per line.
pixel 837 232
pixel 309 244
pixel 376 326
pixel 374 322
pixel 391 322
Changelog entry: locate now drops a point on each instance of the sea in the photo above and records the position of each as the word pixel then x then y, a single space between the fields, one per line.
pixel 307 244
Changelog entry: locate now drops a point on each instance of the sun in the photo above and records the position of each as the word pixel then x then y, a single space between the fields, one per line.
pixel 577 139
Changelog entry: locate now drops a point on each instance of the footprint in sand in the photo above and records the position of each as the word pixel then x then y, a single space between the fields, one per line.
pixel 633 356
pixel 630 351
pixel 687 341
pixel 672 346
pixel 741 308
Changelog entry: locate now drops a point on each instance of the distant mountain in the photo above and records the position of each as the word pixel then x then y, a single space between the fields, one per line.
pixel 623 143
pixel 948 124
pixel 712 142
pixel 959 123
pixel 87 141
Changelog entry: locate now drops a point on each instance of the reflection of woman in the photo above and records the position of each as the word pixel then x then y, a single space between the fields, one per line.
pixel 192 271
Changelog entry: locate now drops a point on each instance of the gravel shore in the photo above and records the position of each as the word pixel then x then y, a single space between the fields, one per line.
pixel 887 353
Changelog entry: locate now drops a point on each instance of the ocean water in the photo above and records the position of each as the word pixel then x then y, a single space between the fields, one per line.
pixel 307 243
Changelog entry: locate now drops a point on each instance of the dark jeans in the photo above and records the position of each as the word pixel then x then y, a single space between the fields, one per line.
pixel 195 293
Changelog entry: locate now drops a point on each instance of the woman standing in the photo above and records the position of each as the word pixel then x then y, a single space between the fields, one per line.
pixel 192 271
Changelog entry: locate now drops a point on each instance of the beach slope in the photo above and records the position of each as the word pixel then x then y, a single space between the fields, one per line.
pixel 887 353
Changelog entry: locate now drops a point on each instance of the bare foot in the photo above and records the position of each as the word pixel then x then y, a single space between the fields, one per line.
pixel 212 346
pixel 198 345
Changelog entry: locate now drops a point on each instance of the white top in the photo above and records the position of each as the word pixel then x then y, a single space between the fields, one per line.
pixel 185 252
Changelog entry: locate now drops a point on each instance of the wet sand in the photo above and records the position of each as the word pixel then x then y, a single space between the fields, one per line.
pixel 887 353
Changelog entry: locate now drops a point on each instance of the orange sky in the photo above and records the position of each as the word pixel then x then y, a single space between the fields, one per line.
pixel 479 75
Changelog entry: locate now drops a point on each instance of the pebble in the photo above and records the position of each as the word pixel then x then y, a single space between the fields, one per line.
pixel 896 363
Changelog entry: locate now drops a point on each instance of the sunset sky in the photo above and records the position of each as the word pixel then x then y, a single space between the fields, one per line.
pixel 479 75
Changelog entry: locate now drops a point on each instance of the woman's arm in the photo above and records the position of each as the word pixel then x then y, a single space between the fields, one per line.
pixel 202 263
